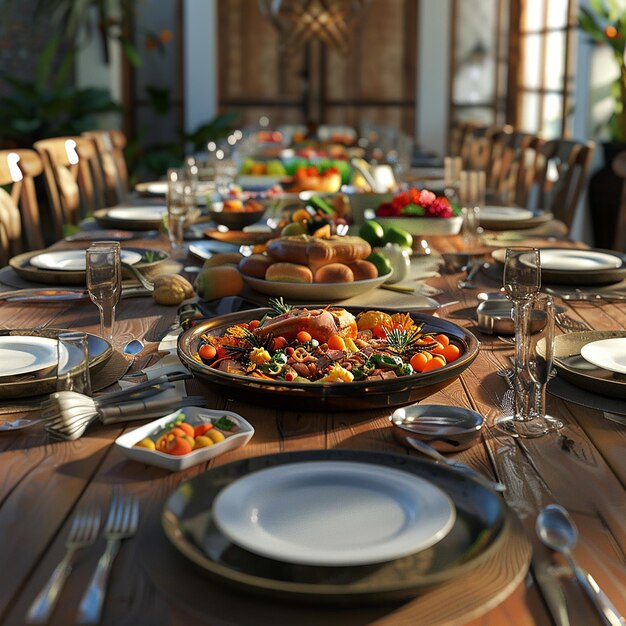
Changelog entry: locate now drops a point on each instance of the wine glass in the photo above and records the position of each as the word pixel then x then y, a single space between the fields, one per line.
pixel 522 280
pixel 181 200
pixel 104 281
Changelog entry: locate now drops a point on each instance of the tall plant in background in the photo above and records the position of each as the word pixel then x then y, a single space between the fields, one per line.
pixel 605 22
pixel 49 104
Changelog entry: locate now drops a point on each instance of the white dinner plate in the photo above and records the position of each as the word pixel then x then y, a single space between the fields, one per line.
pixel 574 260
pixel 74 260
pixel 609 354
pixel 314 292
pixel 137 213
pixel 26 354
pixel 333 513
pixel 504 213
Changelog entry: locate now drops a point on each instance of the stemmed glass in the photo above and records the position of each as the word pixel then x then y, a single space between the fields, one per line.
pixel 104 281
pixel 522 280
pixel 181 201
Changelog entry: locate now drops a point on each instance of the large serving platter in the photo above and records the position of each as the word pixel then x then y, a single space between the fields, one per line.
pixel 578 371
pixel 314 292
pixel 354 396
pixel 482 530
pixel 574 266
pixel 23 267
pixel 30 384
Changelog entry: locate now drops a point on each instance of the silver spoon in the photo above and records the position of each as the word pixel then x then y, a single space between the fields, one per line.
pixel 424 448
pixel 557 531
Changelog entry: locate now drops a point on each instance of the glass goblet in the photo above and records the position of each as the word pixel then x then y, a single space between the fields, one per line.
pixel 104 282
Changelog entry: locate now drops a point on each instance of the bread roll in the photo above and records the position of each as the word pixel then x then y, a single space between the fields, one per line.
pixel 318 251
pixel 334 273
pixel 255 265
pixel 363 270
pixel 289 273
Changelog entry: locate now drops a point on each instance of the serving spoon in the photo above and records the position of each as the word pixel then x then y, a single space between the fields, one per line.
pixel 557 530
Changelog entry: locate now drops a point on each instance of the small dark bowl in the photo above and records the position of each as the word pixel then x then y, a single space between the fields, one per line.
pixel 234 220
pixel 445 428
pixel 495 317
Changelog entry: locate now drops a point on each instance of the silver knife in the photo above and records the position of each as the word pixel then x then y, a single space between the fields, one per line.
pixel 573 296
pixel 60 295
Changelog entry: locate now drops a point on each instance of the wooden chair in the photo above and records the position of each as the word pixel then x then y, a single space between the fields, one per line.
pixel 110 146
pixel 19 211
pixel 561 179
pixel 462 133
pixel 619 240
pixel 73 179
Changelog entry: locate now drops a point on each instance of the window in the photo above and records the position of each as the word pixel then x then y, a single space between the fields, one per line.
pixel 544 83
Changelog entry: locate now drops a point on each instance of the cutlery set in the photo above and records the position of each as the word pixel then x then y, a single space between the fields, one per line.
pixel 121 523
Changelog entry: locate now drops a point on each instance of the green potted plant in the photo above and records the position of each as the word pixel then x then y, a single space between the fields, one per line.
pixel 605 22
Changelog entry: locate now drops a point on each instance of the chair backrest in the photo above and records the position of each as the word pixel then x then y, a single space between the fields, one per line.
pixel 110 146
pixel 73 179
pixel 619 241
pixel 562 177
pixel 460 138
pixel 19 210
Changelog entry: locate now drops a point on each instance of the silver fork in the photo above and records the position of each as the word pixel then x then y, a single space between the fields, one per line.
pixel 569 324
pixel 83 532
pixel 121 524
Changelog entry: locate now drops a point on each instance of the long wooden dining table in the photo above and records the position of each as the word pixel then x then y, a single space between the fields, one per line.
pixel 581 467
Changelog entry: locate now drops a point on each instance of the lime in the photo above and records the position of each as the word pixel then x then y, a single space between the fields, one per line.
pixel 393 234
pixel 294 228
pixel 372 232
pixel 382 263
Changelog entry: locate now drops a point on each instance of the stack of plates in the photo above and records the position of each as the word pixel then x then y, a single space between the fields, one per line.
pixel 28 360
pixel 572 266
pixel 335 525
pixel 594 360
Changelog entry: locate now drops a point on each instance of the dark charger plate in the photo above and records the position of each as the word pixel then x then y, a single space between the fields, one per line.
pixel 354 396
pixel 483 528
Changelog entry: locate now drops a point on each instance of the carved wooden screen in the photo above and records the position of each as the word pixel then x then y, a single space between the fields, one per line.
pixel 374 81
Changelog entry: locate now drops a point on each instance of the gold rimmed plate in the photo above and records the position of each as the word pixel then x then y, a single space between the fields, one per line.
pixel 28 385
pixel 23 267
pixel 480 531
pixel 578 371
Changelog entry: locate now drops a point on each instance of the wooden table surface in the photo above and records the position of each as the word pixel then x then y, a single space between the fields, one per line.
pixel 583 467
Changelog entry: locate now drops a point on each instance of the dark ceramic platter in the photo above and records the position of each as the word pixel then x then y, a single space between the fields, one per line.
pixel 481 529
pixel 575 369
pixel 100 351
pixel 354 396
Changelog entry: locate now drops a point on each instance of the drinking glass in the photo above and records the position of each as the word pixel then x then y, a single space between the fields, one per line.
pixel 73 362
pixel 181 199
pixel 104 282
pixel 521 280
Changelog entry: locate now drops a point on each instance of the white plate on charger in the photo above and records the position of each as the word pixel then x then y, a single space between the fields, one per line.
pixel 194 415
pixel 494 213
pixel 74 260
pixel 27 355
pixel 137 213
pixel 333 513
pixel 608 354
pixel 574 260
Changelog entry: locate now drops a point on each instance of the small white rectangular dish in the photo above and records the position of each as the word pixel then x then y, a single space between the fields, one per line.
pixel 193 415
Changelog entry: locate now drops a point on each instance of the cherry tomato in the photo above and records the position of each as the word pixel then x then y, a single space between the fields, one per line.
pixel 253 324
pixel 207 352
pixel 303 336
pixel 279 343
pixel 435 363
pixel 419 360
pixel 336 342
pixel 444 340
pixel 200 429
pixel 451 353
